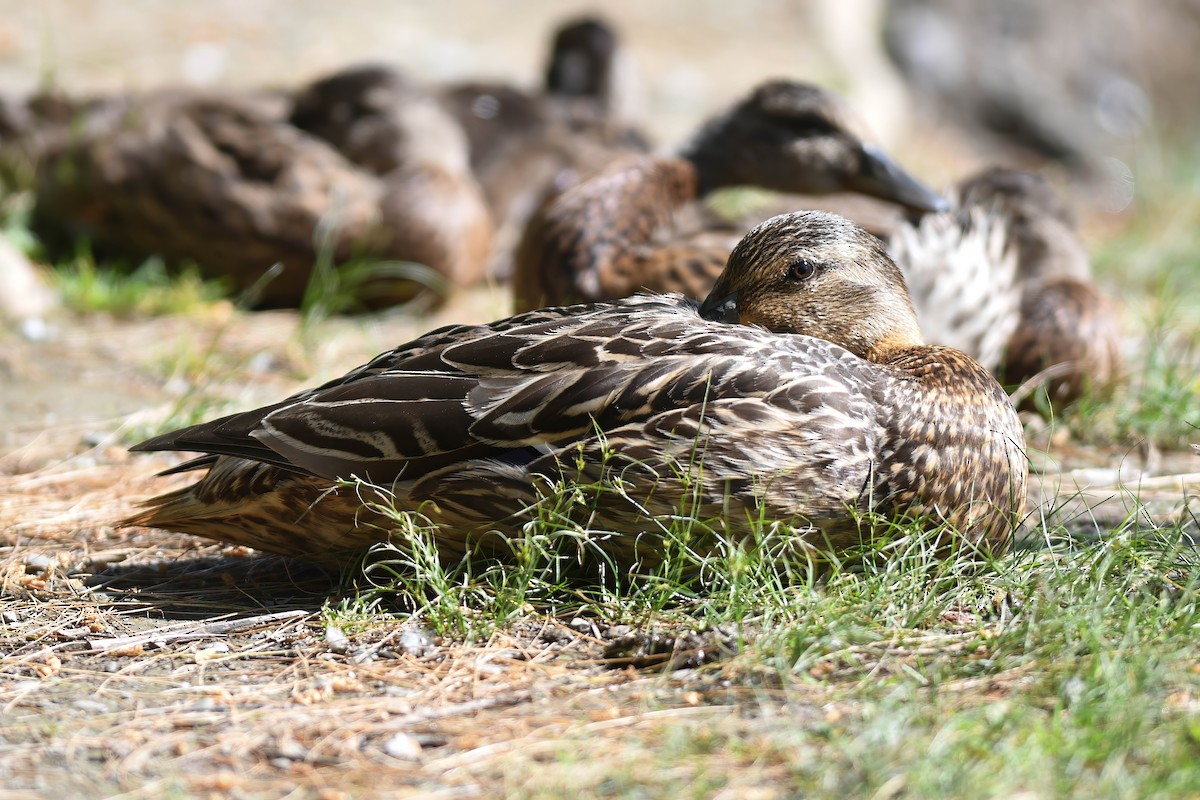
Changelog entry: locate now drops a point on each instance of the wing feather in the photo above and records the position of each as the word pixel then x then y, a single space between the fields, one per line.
pixel 647 371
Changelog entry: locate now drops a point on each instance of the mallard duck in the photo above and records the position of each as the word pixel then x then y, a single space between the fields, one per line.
pixel 528 145
pixel 221 182
pixel 799 390
pixel 1004 277
pixel 615 232
pixel 399 131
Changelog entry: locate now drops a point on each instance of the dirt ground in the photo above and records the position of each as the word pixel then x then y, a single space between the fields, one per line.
pixel 139 664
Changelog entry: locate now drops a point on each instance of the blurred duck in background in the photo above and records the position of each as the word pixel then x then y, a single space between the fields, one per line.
pixel 397 130
pixel 1004 277
pixel 520 146
pixel 528 146
pixel 225 182
pixel 620 230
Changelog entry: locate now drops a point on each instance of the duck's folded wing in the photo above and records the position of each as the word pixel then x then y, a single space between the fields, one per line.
pixel 516 397
pixel 521 392
pixel 232 435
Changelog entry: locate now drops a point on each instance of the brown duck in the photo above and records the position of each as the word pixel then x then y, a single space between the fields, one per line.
pixel 615 232
pixel 229 185
pixel 399 131
pixel 800 390
pixel 1004 277
pixel 526 146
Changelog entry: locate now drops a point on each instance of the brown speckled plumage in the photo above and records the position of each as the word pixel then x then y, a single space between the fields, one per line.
pixel 614 232
pixel 1005 278
pixel 689 407
pixel 227 183
pixel 398 131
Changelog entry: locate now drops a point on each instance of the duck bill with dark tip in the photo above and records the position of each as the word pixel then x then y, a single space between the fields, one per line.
pixel 879 176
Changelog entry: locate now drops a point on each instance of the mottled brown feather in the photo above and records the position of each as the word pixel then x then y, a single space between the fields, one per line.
pixel 1005 277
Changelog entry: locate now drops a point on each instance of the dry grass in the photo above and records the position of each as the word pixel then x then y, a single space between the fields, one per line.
pixel 142 663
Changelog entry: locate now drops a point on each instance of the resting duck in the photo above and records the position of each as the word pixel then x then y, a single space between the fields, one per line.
pixel 800 390
pixel 399 131
pixel 228 184
pixel 585 97
pixel 1005 278
pixel 615 232
pixel 509 146
pixel 526 146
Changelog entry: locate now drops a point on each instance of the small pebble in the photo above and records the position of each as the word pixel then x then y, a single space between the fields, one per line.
pixel 93 706
pixel 336 639
pixel 362 655
pixel 289 748
pixel 38 562
pixel 403 746
pixel 35 329
pixel 96 438
pixel 415 642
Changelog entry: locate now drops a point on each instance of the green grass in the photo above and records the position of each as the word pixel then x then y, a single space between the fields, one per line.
pixel 148 290
pixel 1160 399
pixel 1062 669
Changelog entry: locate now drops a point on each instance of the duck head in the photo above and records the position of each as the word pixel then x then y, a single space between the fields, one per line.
pixel 795 137
pixel 380 119
pixel 582 58
pixel 820 275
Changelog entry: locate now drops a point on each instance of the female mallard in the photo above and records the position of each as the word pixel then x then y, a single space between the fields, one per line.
pixel 513 145
pixel 614 233
pixel 224 183
pixel 1004 277
pixel 800 390
pixel 526 146
pixel 398 131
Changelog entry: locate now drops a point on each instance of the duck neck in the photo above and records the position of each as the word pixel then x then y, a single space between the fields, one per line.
pixel 897 351
pixel 710 155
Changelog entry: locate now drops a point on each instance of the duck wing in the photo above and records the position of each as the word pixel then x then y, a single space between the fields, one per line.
pixel 525 387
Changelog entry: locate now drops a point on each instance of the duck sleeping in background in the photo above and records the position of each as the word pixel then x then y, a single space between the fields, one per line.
pixel 1004 277
pixel 521 144
pixel 227 183
pixel 800 390
pixel 616 232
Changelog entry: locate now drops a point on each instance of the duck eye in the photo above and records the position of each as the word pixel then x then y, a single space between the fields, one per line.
pixel 801 270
